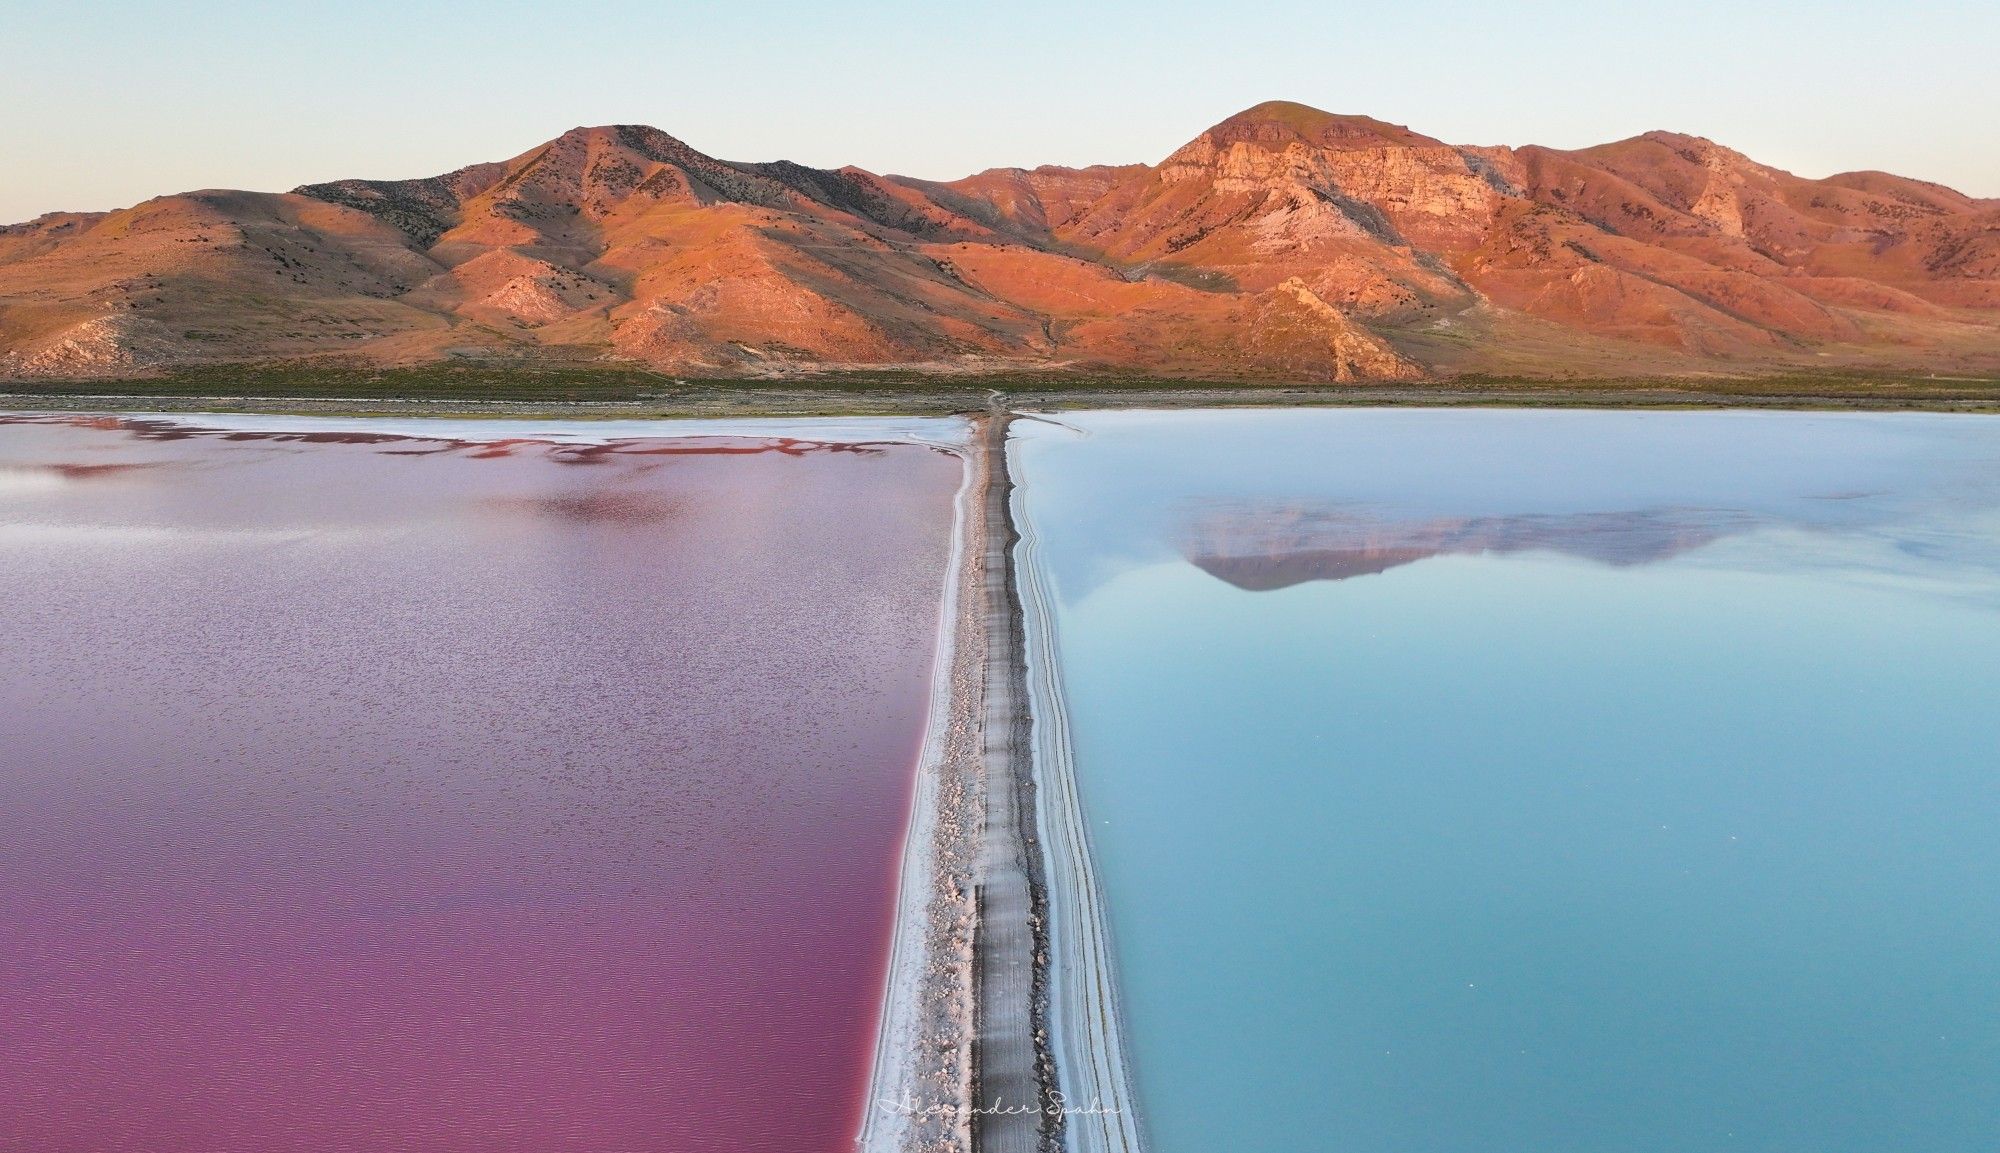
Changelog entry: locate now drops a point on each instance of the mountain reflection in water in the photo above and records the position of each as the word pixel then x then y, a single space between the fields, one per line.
pixel 1262 548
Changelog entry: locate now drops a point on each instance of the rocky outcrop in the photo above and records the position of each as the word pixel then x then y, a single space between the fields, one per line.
pixel 1356 354
pixel 100 346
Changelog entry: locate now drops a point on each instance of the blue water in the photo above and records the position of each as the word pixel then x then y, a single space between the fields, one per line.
pixel 1477 782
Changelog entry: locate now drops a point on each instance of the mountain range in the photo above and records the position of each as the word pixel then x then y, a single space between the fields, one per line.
pixel 1284 243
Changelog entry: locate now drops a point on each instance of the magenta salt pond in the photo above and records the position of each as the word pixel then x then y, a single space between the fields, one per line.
pixel 371 792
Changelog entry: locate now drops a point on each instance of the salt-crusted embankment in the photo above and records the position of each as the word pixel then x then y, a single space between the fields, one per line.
pixel 1013 1072
pixel 1000 1031
pixel 1085 1037
pixel 920 1094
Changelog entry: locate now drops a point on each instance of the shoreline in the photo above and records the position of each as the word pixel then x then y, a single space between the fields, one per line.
pixel 894 395
pixel 920 1089
pixel 918 430
pixel 1085 1025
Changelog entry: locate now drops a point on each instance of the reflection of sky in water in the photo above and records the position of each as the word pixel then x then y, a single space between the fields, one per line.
pixel 1341 494
pixel 1557 781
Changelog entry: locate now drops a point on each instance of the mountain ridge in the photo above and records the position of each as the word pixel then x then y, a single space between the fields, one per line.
pixel 1281 243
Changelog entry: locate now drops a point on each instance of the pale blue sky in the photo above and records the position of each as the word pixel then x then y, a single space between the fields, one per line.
pixel 104 104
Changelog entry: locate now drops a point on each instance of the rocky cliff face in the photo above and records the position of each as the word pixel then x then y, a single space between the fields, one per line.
pixel 1283 243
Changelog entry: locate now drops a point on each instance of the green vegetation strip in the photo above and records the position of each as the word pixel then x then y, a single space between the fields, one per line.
pixel 623 391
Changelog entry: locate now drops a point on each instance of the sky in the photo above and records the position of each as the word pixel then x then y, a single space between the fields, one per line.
pixel 105 104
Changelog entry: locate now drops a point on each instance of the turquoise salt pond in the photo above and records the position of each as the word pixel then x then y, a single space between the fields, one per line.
pixel 1480 781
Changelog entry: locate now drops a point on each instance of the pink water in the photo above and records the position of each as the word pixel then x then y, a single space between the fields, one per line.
pixel 365 793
